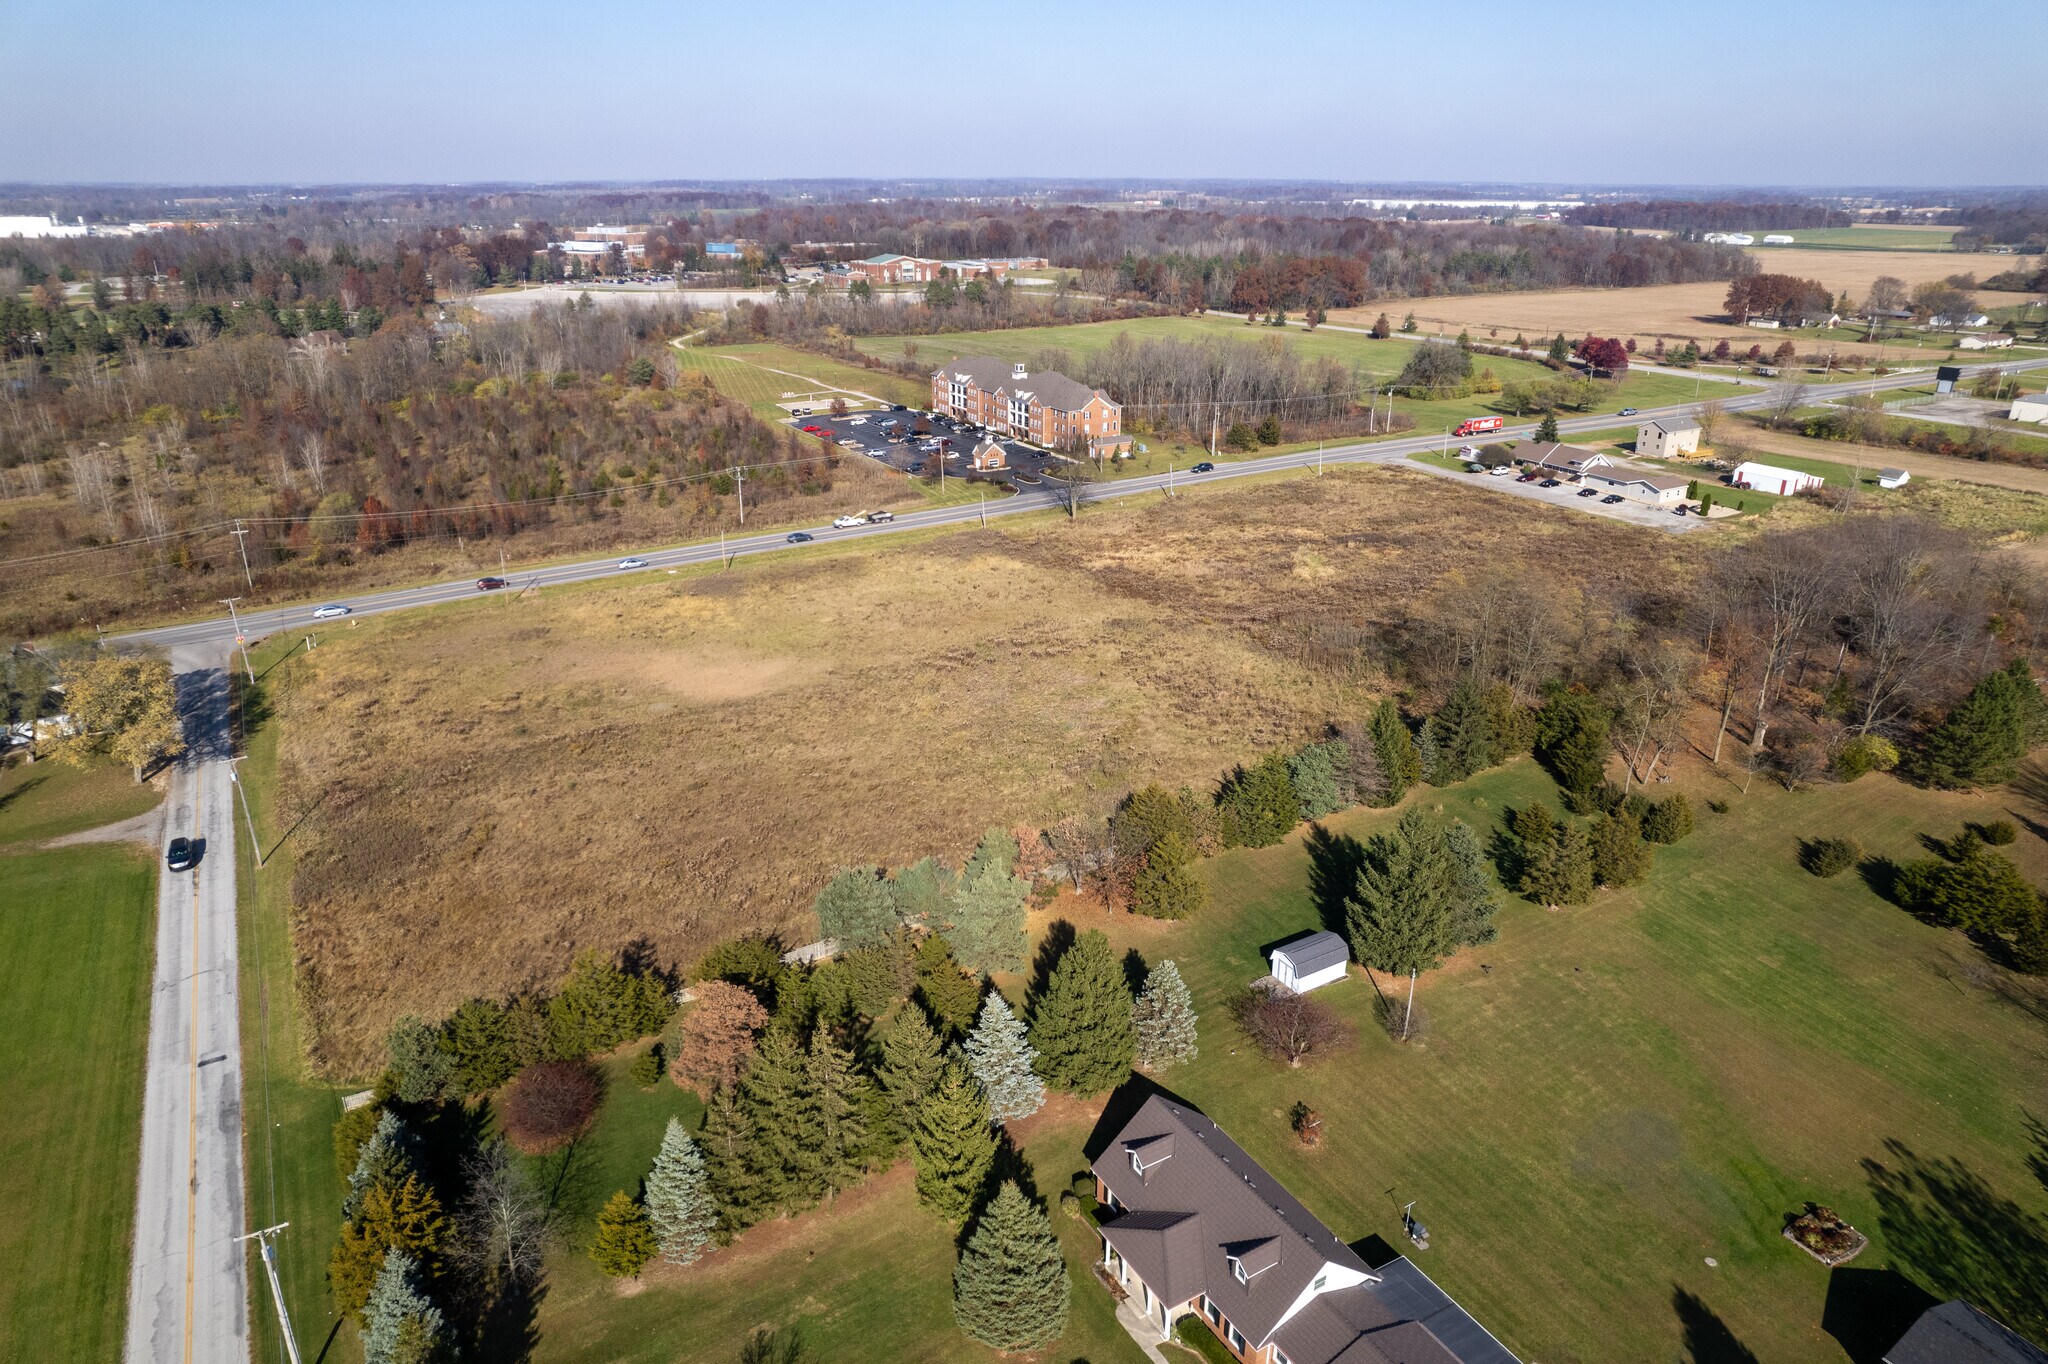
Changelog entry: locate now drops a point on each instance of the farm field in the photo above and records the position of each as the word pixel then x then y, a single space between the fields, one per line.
pixel 77 929
pixel 760 376
pixel 1861 237
pixel 865 703
pixel 1616 1104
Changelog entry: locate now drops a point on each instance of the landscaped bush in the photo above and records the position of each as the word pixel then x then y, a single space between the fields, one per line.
pixel 647 1067
pixel 1999 833
pixel 1719 807
pixel 1669 820
pixel 1829 856
pixel 1866 753
pixel 549 1105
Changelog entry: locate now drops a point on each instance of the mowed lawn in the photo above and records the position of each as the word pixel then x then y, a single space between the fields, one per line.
pixel 49 799
pixel 1613 1096
pixel 76 935
pixel 766 376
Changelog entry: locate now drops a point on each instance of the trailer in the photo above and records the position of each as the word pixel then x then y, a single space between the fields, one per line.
pixel 1473 426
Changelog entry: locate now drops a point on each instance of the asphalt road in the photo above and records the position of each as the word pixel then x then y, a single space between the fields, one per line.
pixel 188 1289
pixel 300 617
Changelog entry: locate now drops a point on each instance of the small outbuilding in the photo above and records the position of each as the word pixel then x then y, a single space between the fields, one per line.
pixel 1946 377
pixel 1310 963
pixel 990 455
pixel 2029 407
pixel 1893 478
pixel 1769 478
pixel 1668 437
pixel 1983 341
pixel 1956 1332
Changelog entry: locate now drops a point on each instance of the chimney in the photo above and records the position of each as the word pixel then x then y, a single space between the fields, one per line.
pixel 1017 370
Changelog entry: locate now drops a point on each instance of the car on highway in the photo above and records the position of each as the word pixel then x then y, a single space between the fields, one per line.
pixel 848 522
pixel 1589 492
pixel 876 518
pixel 1205 467
pixel 799 537
pixel 1548 483
pixel 1610 499
pixel 1626 412
pixel 635 562
pixel 329 611
pixel 489 584
pixel 180 855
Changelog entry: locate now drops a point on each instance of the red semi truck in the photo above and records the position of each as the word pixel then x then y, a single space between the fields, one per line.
pixel 1473 426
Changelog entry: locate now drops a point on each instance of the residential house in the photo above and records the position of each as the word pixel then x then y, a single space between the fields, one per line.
pixel 1957 1333
pixel 1558 461
pixel 1310 963
pixel 1639 485
pixel 2029 407
pixel 1943 320
pixel 1668 438
pixel 1048 409
pixel 1893 478
pixel 1768 478
pixel 1983 341
pixel 325 341
pixel 1769 324
pixel 1192 1226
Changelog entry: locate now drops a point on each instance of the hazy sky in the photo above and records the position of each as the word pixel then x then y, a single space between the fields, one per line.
pixel 1808 92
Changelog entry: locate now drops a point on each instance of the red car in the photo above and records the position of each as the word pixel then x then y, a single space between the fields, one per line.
pixel 489 584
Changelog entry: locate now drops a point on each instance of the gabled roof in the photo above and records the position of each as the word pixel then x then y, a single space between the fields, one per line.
pixel 1623 473
pixel 1674 425
pixel 991 375
pixel 1550 454
pixel 1957 1333
pixel 1316 952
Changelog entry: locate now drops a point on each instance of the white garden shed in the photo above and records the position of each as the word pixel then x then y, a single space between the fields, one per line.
pixel 1311 962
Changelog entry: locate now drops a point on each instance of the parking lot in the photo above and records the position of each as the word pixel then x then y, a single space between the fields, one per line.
pixel 871 436
pixel 1567 494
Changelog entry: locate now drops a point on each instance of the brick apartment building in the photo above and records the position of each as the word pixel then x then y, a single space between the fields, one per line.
pixel 1049 409
pixel 899 269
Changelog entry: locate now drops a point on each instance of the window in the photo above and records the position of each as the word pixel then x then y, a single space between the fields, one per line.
pixel 1280 1356
pixel 1237 1268
pixel 1211 1311
pixel 1235 1336
pixel 1321 1280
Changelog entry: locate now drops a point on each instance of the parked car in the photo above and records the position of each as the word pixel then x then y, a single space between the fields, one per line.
pixel 180 855
pixel 329 611
pixel 489 584
pixel 1678 511
pixel 848 442
pixel 1526 478
pixel 1610 499
pixel 856 421
pixel 815 430
pixel 898 407
pixel 1627 412
pixel 1205 467
pixel 1548 483
pixel 635 562
pixel 876 518
pixel 1589 492
pixel 848 522
pixel 1500 470
pixel 799 537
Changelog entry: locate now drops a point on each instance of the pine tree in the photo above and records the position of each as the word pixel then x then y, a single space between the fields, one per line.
pixel 1260 802
pixel 1514 724
pixel 401 1325
pixel 1428 757
pixel 1010 1290
pixel 1166 886
pixel 987 929
pixel 1984 738
pixel 1164 1019
pixel 1081 1025
pixel 386 1158
pixel 912 1064
pixel 1394 746
pixel 679 1201
pixel 481 1044
pixel 1145 817
pixel 952 997
pixel 1620 857
pixel 922 891
pixel 1314 772
pixel 953 1145
pixel 1669 820
pixel 1000 1056
pixel 996 849
pixel 1571 741
pixel 856 908
pixel 1546 429
pixel 1560 872
pixel 838 1101
pixel 732 1163
pixel 1401 914
pixel 625 1241
pixel 777 1093
pixel 1472 903
pixel 406 1216
pixel 1464 734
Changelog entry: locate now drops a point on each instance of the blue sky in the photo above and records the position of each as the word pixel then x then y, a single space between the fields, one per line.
pixel 1820 92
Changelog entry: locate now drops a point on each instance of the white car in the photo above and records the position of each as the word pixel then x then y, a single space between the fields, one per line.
pixel 850 443
pixel 856 421
pixel 1500 471
pixel 635 562
pixel 329 611
pixel 847 522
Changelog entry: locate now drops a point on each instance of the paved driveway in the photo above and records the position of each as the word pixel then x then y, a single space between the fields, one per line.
pixel 1028 465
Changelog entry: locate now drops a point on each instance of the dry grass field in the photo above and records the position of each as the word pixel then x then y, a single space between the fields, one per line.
pixel 1671 310
pixel 493 786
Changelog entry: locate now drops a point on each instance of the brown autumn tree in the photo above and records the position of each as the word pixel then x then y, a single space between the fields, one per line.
pixel 719 1033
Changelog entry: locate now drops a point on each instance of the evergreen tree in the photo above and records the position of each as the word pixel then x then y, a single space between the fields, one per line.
pixel 679 1202
pixel 838 1101
pixel 1314 771
pixel 779 1100
pixel 1989 732
pixel 1163 1019
pixel 1166 886
pixel 922 892
pixel 1472 903
pixel 953 1146
pixel 1081 1025
pixel 1546 429
pixel 1571 741
pixel 1401 915
pixel 1464 734
pixel 1669 820
pixel 481 1043
pixel 1560 353
pixel 987 929
pixel 1394 746
pixel 1260 802
pixel 951 996
pixel 1620 857
pixel 912 1064
pixel 625 1240
pixel 423 1068
pixel 386 1158
pixel 1000 1055
pixel 732 1163
pixel 1145 817
pixel 1427 756
pixel 401 1325
pixel 1010 1290
pixel 856 908
pixel 1514 724
pixel 1560 872
pixel 406 1216
pixel 996 849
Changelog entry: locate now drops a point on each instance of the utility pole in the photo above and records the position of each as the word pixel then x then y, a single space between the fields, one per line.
pixel 1169 478
pixel 229 602
pixel 269 1249
pixel 739 478
pixel 234 775
pixel 1215 417
pixel 242 544
pixel 984 510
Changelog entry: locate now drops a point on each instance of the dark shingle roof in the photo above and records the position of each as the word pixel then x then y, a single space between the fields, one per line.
pixel 1050 387
pixel 1316 952
pixel 1957 1333
pixel 1673 425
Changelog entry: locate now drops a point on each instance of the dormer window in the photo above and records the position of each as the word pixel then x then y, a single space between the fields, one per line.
pixel 1237 1268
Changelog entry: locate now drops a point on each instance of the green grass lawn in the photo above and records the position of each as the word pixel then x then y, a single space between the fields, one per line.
pixel 77 929
pixel 1864 238
pixel 761 375
pixel 50 799
pixel 1612 1094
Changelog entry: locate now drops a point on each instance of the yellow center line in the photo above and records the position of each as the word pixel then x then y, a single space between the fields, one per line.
pixel 192 1058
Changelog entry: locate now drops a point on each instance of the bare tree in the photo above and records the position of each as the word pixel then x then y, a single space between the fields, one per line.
pixel 1905 616
pixel 1653 698
pixel 1287 1027
pixel 1072 488
pixel 505 1223
pixel 1786 399
pixel 1710 414
pixel 1788 580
